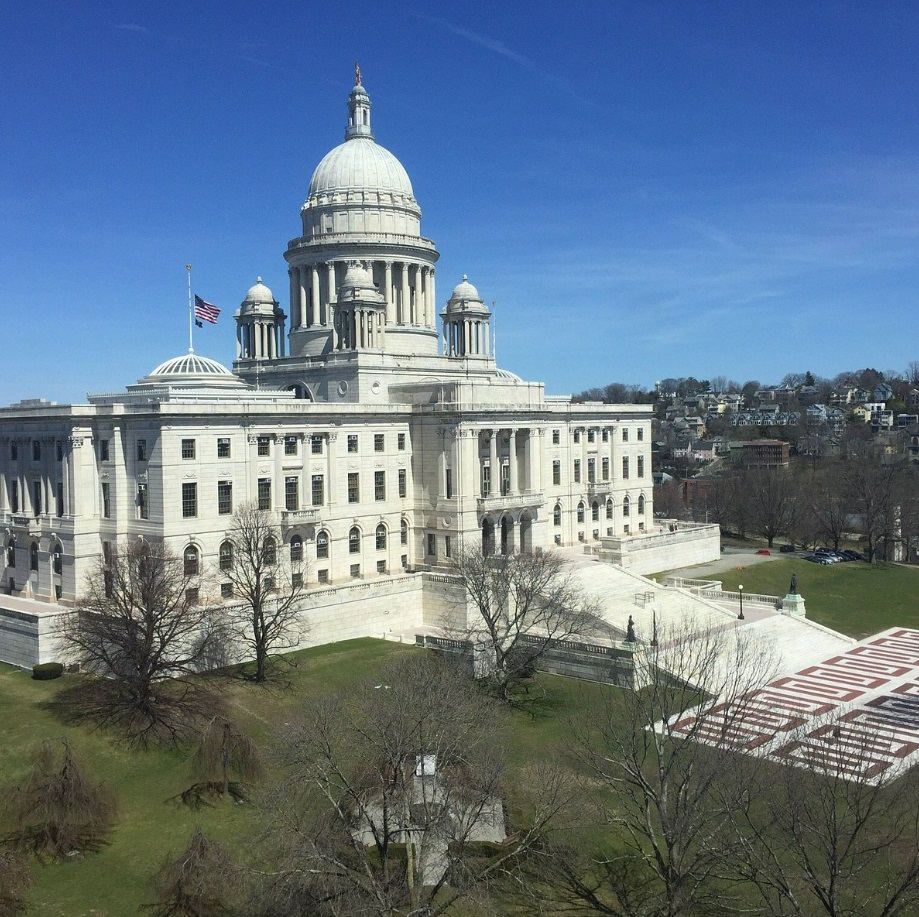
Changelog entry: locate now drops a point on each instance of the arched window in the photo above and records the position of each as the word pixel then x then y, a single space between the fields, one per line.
pixel 557 514
pixel 381 536
pixel 57 558
pixel 625 506
pixel 322 544
pixel 354 540
pixel 641 504
pixel 11 553
pixel 190 558
pixel 581 512
pixel 403 532
pixel 296 549
pixel 270 548
pixel 595 511
pixel 226 555
pixel 33 556
pixel 609 508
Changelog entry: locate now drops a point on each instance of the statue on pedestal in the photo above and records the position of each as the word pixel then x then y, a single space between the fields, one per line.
pixel 793 585
pixel 630 631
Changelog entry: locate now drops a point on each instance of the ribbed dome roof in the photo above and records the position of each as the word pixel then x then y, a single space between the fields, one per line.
pixel 190 367
pixel 360 164
pixel 259 293
pixel 465 298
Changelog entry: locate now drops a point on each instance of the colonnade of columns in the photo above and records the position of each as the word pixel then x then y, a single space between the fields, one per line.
pixel 259 340
pixel 466 337
pixel 407 286
pixel 357 329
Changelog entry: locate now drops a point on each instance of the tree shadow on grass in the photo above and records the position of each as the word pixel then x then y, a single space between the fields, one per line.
pixel 170 715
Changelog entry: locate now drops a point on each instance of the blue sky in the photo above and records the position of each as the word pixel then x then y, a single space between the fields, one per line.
pixel 645 189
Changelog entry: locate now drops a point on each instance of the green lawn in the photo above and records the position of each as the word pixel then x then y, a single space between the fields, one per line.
pixel 856 598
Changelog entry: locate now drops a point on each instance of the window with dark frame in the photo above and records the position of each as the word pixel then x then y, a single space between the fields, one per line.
pixel 322 545
pixel 379 442
pixel 106 499
pixel 290 445
pixel 352 442
pixel 316 444
pixel 354 490
pixel 223 447
pixel 379 485
pixel 141 450
pixel 380 537
pixel 225 555
pixel 189 501
pixel 291 493
pixel 318 489
pixel 263 489
pixel 103 450
pixel 224 498
pixel 400 442
pixel 143 504
pixel 403 488
pixel 190 560
pixel 188 448
pixel 354 541
pixel 263 445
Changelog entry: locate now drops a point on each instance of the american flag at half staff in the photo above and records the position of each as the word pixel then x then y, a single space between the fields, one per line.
pixel 205 312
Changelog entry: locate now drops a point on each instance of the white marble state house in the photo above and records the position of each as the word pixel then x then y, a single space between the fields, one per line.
pixel 371 419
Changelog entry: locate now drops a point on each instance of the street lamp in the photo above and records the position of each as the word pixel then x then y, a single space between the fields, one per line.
pixel 740 617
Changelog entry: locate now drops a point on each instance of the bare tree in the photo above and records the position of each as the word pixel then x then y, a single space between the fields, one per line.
pixel 268 582
pixel 224 761
pixel 663 758
pixel 521 604
pixel 200 882
pixel 824 837
pixel 58 810
pixel 393 800
pixel 871 489
pixel 771 496
pixel 142 627
pixel 826 497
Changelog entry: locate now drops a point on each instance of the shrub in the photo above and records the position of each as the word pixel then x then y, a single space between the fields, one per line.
pixel 45 671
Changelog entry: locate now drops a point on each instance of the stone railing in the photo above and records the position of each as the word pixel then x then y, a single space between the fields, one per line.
pixel 510 501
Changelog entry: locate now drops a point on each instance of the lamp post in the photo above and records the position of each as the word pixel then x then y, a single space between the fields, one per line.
pixel 740 617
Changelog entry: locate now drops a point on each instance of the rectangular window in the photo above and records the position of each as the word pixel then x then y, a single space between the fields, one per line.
pixel 355 571
pixel 403 533
pixel 352 442
pixel 322 576
pixel 191 596
pixel 604 467
pixel 400 441
pixel 318 490
pixel 354 487
pixel 381 566
pixel 103 450
pixel 291 493
pixel 641 434
pixel 403 485
pixel 625 434
pixel 591 471
pixel 36 450
pixel 226 590
pixel 264 493
pixel 379 442
pixel 447 547
pixel 505 479
pixel 189 501
pixel 577 471
pixel 263 445
pixel 379 485
pixel 556 437
pixel 556 472
pixel 14 452
pixel 296 580
pixel 290 445
pixel 641 466
pixel 605 435
pixel 143 504
pixel 141 450
pixel 316 445
pixel 591 436
pixel 432 545
pixel 223 447
pixel 106 499
pixel 60 499
pixel 188 448
pixel 224 498
pixel 59 451
pixel 577 436
pixel 404 561
pixel 625 466
pixel 37 508
pixel 14 496
pixel 448 483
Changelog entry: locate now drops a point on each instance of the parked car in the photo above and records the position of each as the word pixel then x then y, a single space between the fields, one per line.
pixel 787 549
pixel 764 551
pixel 819 559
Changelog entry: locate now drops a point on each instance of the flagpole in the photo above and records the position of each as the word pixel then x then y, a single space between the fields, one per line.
pixel 191 311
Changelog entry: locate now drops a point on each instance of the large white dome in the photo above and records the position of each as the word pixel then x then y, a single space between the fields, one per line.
pixel 360 164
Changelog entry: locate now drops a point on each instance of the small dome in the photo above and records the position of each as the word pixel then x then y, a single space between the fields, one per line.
pixel 259 293
pixel 191 366
pixel 358 276
pixel 465 290
pixel 465 298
